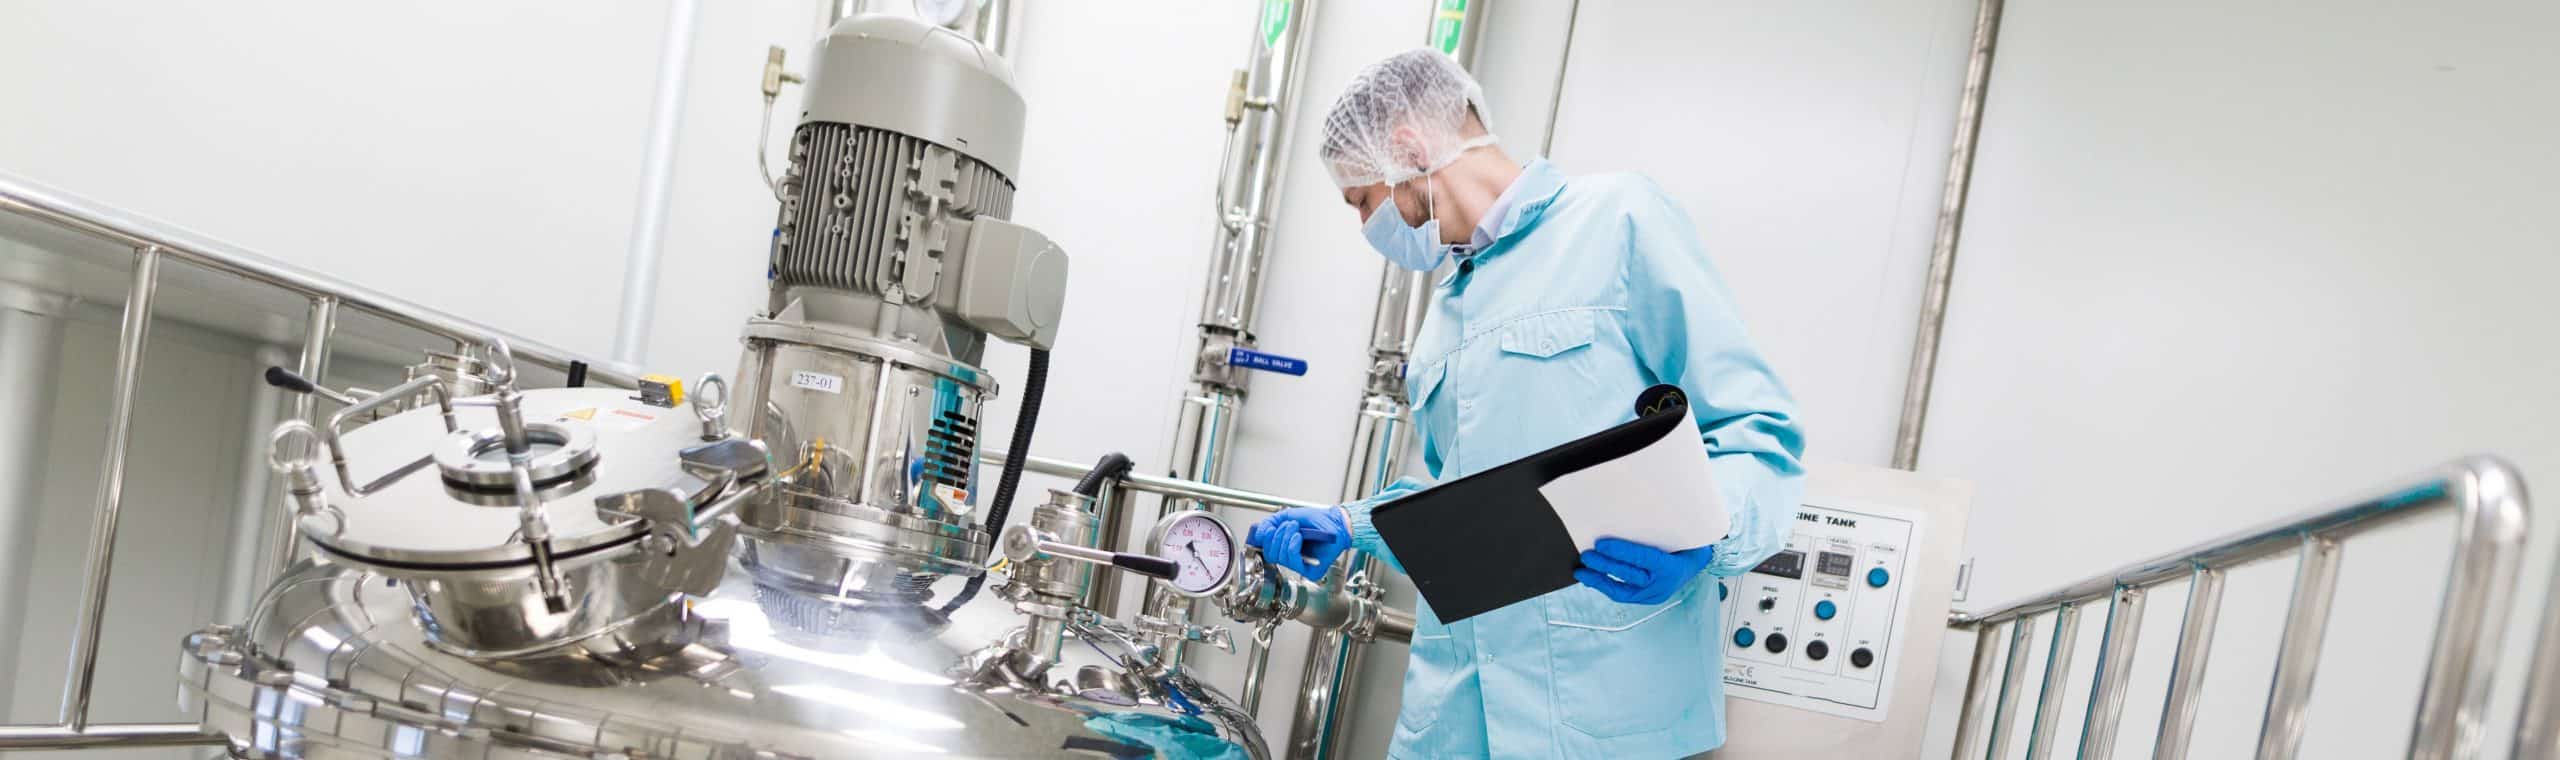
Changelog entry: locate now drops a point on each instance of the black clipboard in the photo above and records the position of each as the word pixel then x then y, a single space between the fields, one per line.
pixel 1489 540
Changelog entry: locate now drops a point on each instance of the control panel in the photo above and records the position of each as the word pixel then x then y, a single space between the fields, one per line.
pixel 1819 625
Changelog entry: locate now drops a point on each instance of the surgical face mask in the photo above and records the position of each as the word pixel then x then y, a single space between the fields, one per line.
pixel 1415 248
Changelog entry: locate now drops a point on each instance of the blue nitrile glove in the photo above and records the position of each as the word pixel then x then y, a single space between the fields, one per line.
pixel 1304 539
pixel 1633 573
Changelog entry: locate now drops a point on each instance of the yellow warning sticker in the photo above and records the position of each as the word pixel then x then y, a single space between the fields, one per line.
pixel 588 413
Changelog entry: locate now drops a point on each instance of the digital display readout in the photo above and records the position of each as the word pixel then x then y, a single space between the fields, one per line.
pixel 1785 564
pixel 1833 563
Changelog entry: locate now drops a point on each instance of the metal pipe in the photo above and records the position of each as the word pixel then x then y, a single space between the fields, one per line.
pixel 2538 727
pixel 130 337
pixel 1942 250
pixel 105 736
pixel 246 569
pixel 2306 620
pixel 1256 161
pixel 2501 513
pixel 1114 503
pixel 284 535
pixel 30 349
pixel 995 26
pixel 1162 486
pixel 2472 624
pixel 2057 669
pixel 1564 64
pixel 1976 698
pixel 35 201
pixel 657 184
pixel 2115 664
pixel 2186 669
pixel 2020 632
pixel 1395 625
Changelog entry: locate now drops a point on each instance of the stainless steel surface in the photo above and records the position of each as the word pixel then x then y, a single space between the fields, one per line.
pixel 2488 497
pixel 657 184
pixel 1917 385
pixel 731 677
pixel 2471 625
pixel 1116 504
pixel 130 338
pixel 2004 717
pixel 995 26
pixel 420 521
pixel 2115 665
pixel 1162 486
pixel 2486 486
pixel 877 442
pixel 284 536
pixel 28 199
pixel 2306 622
pixel 2538 726
pixel 2186 669
pixel 1976 696
pixel 1256 158
pixel 116 736
pixel 2057 671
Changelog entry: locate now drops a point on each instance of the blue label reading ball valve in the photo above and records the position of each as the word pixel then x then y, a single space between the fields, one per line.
pixel 1250 359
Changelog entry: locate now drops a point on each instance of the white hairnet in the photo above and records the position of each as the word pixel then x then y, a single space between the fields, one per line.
pixel 1421 89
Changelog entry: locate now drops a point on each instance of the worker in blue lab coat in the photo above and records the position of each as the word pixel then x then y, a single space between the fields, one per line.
pixel 1569 296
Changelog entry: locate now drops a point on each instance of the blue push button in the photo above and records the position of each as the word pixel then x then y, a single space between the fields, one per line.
pixel 1825 610
pixel 1742 637
pixel 1721 591
pixel 1877 577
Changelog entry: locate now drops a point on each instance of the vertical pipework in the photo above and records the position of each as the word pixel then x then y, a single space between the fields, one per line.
pixel 1942 249
pixel 1258 114
pixel 657 185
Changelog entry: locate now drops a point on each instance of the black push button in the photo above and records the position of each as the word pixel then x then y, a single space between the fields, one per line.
pixel 1817 650
pixel 1775 642
pixel 1860 657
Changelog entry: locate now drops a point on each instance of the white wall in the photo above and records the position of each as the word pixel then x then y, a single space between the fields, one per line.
pixel 2231 260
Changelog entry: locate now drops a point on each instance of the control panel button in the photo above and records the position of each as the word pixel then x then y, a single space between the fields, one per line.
pixel 1817 650
pixel 1877 577
pixel 1825 610
pixel 1861 657
pixel 1768 603
pixel 1721 591
pixel 1742 637
pixel 1776 643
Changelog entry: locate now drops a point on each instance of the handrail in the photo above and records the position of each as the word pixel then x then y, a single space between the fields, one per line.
pixel 151 242
pixel 1163 486
pixel 36 201
pixel 2489 498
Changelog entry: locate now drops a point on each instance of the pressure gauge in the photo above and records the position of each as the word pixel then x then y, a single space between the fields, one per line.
pixel 1200 546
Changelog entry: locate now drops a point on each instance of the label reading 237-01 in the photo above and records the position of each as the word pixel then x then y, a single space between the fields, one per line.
pixel 818 381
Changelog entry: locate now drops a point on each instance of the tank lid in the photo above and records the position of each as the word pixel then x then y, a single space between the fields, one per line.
pixel 590 442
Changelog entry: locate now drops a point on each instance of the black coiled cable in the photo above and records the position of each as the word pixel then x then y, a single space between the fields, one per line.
pixel 1035 379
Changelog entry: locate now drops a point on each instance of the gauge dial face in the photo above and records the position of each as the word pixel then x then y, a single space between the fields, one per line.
pixel 1202 549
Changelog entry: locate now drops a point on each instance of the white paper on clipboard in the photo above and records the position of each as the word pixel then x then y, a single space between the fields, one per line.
pixel 1663 495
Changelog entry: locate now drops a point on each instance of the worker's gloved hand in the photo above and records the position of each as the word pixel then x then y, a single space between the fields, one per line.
pixel 1633 573
pixel 1304 539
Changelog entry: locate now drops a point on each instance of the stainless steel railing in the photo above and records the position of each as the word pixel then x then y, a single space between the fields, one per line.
pixel 2488 497
pixel 152 243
